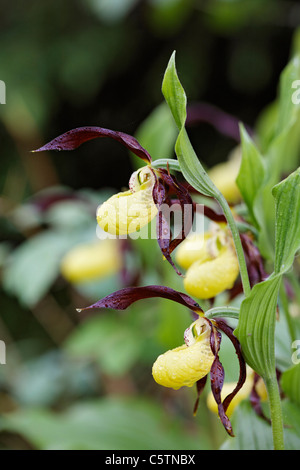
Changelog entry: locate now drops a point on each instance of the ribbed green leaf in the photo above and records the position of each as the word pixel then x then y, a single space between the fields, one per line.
pixel 256 326
pixel 287 202
pixel 190 165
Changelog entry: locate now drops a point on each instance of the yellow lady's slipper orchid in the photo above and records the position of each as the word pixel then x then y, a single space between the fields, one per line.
pixel 185 365
pixel 192 362
pixel 89 261
pixel 129 211
pixel 224 175
pixel 212 268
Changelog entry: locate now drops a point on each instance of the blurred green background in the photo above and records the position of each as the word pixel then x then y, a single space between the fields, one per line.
pixel 77 382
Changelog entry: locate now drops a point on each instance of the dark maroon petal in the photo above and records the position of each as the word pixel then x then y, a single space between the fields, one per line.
pixel 200 384
pixel 123 298
pixel 186 204
pixel 159 192
pixel 215 338
pixel 254 260
pixel 163 231
pixel 74 138
pixel 163 185
pixel 242 376
pixel 207 211
pixel 213 215
pixel 217 379
pixel 164 239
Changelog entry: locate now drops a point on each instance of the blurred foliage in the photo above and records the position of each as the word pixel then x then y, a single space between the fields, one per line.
pixel 72 381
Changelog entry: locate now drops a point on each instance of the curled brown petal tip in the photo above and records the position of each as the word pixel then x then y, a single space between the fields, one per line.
pixel 123 298
pixel 75 137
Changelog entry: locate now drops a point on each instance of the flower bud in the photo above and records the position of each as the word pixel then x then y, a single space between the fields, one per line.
pixel 185 365
pixel 129 211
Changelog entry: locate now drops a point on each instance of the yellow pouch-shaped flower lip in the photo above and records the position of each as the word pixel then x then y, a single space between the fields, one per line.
pixel 185 365
pixel 129 211
pixel 209 278
pixel 89 261
pixel 194 248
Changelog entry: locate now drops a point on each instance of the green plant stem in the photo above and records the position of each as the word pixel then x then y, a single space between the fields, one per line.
pixel 227 311
pixel 271 383
pixel 170 163
pixel 275 412
pixel 237 243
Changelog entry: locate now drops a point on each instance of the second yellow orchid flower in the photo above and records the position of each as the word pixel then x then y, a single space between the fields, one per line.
pixel 211 263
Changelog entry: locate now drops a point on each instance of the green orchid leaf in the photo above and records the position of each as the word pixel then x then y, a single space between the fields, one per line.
pixel 255 186
pixel 256 327
pixel 283 151
pixel 190 165
pixel 289 105
pixel 287 231
pixel 290 381
pixel 251 174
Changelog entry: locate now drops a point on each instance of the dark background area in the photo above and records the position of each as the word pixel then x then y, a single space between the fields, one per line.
pixel 69 64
